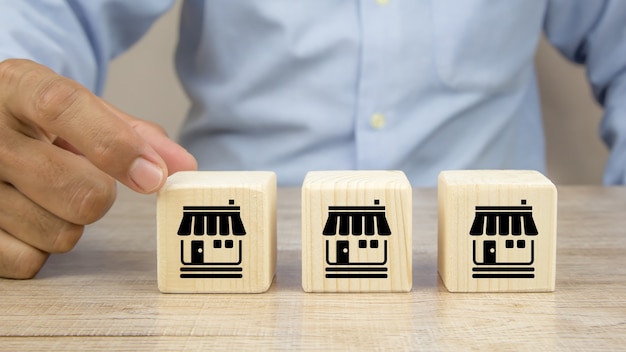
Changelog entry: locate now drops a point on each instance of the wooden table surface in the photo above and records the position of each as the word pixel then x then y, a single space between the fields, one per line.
pixel 103 294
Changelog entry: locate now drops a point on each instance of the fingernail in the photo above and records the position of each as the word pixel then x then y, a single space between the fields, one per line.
pixel 146 175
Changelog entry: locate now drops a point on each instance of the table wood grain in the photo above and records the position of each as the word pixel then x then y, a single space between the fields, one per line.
pixel 103 294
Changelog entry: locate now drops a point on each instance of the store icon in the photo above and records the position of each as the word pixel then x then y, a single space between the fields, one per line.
pixel 211 242
pixel 361 232
pixel 496 255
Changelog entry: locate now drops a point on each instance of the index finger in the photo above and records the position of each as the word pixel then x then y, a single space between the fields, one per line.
pixel 58 106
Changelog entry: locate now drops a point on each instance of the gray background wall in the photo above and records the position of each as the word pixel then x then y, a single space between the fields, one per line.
pixel 142 82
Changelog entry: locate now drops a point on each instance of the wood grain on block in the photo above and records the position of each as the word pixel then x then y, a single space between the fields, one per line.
pixel 216 232
pixel 497 231
pixel 356 231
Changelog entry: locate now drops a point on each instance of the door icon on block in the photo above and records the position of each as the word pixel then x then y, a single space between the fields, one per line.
pixel 359 246
pixel 507 249
pixel 211 242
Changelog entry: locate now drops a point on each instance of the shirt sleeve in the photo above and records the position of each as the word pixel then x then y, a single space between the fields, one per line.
pixel 594 33
pixel 76 38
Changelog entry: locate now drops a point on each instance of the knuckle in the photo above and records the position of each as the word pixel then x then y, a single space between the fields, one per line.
pixel 107 147
pixel 142 125
pixel 158 128
pixel 66 238
pixel 114 152
pixel 50 233
pixel 54 97
pixel 11 70
pixel 27 263
pixel 90 200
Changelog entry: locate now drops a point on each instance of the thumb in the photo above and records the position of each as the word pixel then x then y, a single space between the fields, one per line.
pixel 175 157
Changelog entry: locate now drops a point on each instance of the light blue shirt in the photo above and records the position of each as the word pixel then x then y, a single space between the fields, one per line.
pixel 292 86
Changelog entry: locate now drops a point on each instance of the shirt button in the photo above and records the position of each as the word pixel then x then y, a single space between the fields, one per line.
pixel 382 2
pixel 377 121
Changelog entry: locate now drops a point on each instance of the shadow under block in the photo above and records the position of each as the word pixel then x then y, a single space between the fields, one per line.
pixel 497 231
pixel 356 231
pixel 216 232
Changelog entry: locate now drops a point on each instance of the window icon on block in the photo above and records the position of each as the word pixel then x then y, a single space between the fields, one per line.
pixel 356 231
pixel 216 232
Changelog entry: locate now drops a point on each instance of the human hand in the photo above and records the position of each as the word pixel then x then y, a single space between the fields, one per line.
pixel 61 150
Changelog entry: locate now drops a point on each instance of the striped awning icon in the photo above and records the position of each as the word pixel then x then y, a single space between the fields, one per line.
pixel 356 220
pixel 514 220
pixel 211 220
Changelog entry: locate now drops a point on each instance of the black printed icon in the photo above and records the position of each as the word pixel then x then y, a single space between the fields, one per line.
pixel 211 242
pixel 342 255
pixel 496 255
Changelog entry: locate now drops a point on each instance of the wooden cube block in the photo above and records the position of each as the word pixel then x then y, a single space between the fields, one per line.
pixel 497 231
pixel 216 232
pixel 356 231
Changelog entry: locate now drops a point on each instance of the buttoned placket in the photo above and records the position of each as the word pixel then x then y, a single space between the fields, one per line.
pixel 371 116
